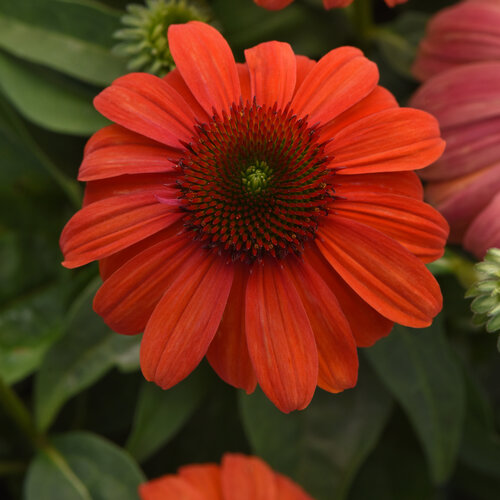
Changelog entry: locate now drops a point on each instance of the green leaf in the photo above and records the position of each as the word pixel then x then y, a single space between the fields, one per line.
pixel 85 354
pixel 323 446
pixel 19 166
pixel 73 37
pixel 126 357
pixel 160 414
pixel 49 99
pixel 27 330
pixel 82 466
pixel 397 469
pixel 30 225
pixel 420 370
pixel 480 448
pixel 478 475
pixel 399 41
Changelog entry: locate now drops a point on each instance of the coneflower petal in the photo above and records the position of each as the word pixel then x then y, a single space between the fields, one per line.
pixel 379 99
pixel 206 64
pixel 186 319
pixel 338 81
pixel 337 354
pixel 461 200
pixel 273 4
pixel 399 183
pixel 247 478
pixel 108 226
pixel 367 325
pixel 114 151
pixel 205 478
pixel 109 265
pixel 272 62
pixel 142 280
pixel 169 488
pixel 228 352
pixel 174 78
pixel 423 231
pixel 149 106
pixel 388 141
pixel 484 232
pixel 304 67
pixel 386 275
pixel 128 184
pixel 280 338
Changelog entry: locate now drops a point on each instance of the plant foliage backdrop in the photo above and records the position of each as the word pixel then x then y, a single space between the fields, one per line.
pixel 77 419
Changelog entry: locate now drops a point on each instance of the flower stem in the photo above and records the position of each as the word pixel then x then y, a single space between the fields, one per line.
pixel 19 414
pixel 11 467
pixel 454 263
pixel 361 13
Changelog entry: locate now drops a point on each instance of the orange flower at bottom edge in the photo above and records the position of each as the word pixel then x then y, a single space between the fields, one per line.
pixel 329 4
pixel 262 214
pixel 238 478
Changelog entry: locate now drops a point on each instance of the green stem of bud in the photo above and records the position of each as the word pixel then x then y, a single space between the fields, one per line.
pixel 454 263
pixel 361 14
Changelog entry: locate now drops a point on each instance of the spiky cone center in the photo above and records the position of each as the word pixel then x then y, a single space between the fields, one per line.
pixel 486 304
pixel 254 182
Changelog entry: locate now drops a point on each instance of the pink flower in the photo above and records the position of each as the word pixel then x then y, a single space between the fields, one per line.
pixel 465 33
pixel 460 61
pixel 464 183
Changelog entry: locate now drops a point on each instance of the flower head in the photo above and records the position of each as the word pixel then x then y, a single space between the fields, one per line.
pixel 263 214
pixel 464 33
pixel 238 477
pixel 329 4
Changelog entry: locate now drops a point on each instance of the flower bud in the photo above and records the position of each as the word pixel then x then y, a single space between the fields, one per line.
pixel 486 292
pixel 144 39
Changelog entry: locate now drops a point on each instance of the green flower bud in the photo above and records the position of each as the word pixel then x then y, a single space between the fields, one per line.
pixel 486 292
pixel 144 38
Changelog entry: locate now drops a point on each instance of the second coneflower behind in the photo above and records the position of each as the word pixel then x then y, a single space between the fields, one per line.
pixel 465 183
pixel 263 214
pixel 465 33
pixel 459 63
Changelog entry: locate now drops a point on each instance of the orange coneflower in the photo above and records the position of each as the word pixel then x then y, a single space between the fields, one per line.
pixel 239 477
pixel 264 214
pixel 329 4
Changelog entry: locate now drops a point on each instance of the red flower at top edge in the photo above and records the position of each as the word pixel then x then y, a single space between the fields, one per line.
pixel 329 4
pixel 263 214
pixel 239 477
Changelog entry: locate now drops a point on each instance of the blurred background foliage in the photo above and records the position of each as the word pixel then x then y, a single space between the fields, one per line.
pixel 79 423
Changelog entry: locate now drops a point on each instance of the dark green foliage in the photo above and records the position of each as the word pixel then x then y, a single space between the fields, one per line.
pixel 323 446
pixel 419 369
